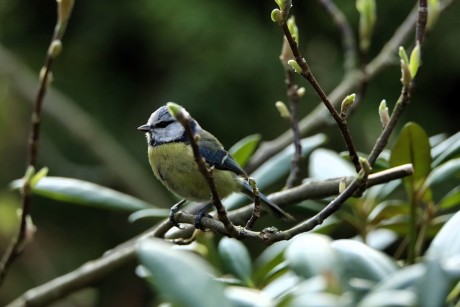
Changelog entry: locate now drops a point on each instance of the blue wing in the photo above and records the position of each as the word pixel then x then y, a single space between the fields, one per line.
pixel 215 155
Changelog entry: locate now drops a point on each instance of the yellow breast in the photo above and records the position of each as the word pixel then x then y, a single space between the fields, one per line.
pixel 174 165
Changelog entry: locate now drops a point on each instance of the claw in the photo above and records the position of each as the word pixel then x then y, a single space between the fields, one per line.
pixel 174 210
pixel 200 215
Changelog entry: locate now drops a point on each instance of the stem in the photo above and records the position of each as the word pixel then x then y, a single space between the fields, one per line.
pixel 17 246
pixel 295 174
pixel 307 74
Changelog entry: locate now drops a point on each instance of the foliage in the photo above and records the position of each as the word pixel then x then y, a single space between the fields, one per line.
pixel 389 245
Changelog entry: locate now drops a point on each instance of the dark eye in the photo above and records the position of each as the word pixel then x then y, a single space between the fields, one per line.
pixel 163 124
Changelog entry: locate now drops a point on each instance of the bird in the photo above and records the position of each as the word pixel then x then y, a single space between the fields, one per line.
pixel 173 163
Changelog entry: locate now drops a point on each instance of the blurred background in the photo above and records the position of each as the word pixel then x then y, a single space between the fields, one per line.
pixel 219 59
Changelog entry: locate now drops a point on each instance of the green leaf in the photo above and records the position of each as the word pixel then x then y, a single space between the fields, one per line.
pixel 326 164
pixel 236 259
pixel 358 260
pixel 246 297
pixel 180 277
pixel 400 298
pixel 243 149
pixel 414 63
pixel 446 172
pixel 387 210
pixel 38 176
pixel 311 254
pixel 447 242
pixel 405 278
pixel 148 213
pixel 433 287
pixel 270 258
pixel 84 193
pixel 451 199
pixel 446 149
pixel 317 299
pixel 412 146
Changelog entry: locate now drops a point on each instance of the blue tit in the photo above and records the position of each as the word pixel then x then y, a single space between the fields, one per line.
pixel 172 161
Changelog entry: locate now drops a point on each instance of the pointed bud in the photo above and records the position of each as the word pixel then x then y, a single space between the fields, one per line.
pixel 295 66
pixel 277 16
pixel 414 62
pixel 30 173
pixel 347 103
pixel 405 71
pixel 342 185
pixel 365 165
pixel 367 18
pixel 39 175
pixel 301 92
pixel 55 48
pixel 177 111
pixel 403 54
pixel 293 29
pixel 283 110
pixel 383 113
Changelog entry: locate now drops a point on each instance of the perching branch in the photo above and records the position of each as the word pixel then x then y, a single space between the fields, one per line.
pixel 185 119
pixel 95 270
pixel 64 9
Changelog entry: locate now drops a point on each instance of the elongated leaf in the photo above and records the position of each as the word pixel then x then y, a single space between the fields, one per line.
pixel 84 193
pixel 449 171
pixel 447 242
pixel 451 199
pixel 148 213
pixel 387 210
pixel 280 164
pixel 180 277
pixel 311 254
pixel 400 298
pixel 360 261
pixel 326 164
pixel 268 260
pixel 446 149
pixel 243 149
pixel 412 146
pixel 246 297
pixel 236 259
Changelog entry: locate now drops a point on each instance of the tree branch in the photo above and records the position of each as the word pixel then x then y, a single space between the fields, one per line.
pixel 17 245
pixel 97 269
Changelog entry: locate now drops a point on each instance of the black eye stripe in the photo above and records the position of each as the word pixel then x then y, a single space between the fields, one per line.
pixel 163 124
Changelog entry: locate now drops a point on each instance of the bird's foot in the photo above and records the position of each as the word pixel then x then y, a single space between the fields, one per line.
pixel 174 210
pixel 200 215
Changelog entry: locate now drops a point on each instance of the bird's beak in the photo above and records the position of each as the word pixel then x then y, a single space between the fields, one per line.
pixel 145 128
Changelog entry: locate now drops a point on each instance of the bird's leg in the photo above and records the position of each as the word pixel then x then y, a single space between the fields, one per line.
pixel 174 210
pixel 203 212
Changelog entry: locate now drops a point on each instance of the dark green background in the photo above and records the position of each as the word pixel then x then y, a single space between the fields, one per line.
pixel 219 59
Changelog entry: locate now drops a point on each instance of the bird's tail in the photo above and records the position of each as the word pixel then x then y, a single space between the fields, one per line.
pixel 280 213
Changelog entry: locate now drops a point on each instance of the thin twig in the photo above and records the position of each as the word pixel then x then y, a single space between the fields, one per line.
pixel 346 31
pixel 98 269
pixel 293 98
pixel 318 117
pixel 17 246
pixel 307 74
pixel 185 119
pixel 256 212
